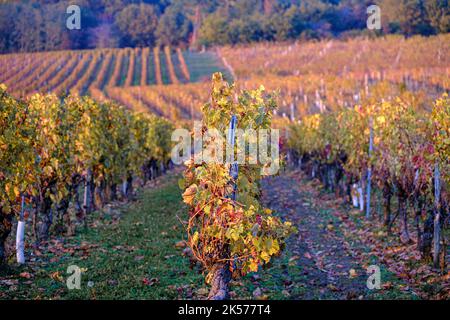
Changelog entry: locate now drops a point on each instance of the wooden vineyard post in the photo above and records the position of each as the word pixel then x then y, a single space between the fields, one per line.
pixel 87 203
pixel 234 168
pixel 369 171
pixel 366 84
pixel 437 216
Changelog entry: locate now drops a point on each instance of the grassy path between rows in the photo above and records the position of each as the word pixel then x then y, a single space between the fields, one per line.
pixel 134 251
pixel 331 263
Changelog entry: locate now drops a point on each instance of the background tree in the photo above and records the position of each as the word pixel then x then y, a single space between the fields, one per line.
pixel 289 25
pixel 405 16
pixel 36 25
pixel 438 14
pixel 137 25
pixel 214 30
pixel 174 28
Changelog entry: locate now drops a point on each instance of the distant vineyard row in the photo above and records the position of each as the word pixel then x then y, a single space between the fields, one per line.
pixel 298 96
pixel 82 71
pixel 333 57
pixel 312 77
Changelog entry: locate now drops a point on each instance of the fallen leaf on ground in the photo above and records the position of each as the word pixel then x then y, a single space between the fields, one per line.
pixel 353 273
pixel 202 292
pixel 180 244
pixel 57 276
pixel 150 282
pixel 257 292
pixel 26 275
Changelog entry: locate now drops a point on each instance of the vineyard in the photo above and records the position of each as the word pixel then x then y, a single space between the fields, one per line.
pixel 329 75
pixel 82 72
pixel 393 145
pixel 52 148
pixel 326 76
pixel 87 177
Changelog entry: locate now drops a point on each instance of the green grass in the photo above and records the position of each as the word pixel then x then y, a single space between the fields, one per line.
pixel 130 246
pixel 137 70
pixel 202 65
pixel 109 71
pixel 141 246
pixel 151 78
pixel 123 70
pixel 134 243
pixel 164 68
pixel 177 67
pixel 271 280
pixel 80 73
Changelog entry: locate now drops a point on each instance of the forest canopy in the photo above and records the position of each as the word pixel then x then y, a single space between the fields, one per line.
pixel 40 25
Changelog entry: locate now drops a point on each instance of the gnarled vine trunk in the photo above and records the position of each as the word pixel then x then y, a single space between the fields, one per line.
pixel 99 192
pixel 338 176
pixel 75 196
pixel 5 230
pixel 419 210
pixel 220 282
pixel 112 192
pixel 403 213
pixel 387 196
pixel 427 237
pixel 46 211
pixel 88 198
pixel 62 213
pixel 348 188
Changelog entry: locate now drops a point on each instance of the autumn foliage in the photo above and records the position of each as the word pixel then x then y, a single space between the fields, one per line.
pixel 410 160
pixel 241 235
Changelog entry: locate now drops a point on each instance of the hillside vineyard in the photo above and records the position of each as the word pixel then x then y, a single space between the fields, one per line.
pixel 87 177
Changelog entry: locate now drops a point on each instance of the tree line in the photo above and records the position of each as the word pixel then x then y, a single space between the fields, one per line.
pixel 40 25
